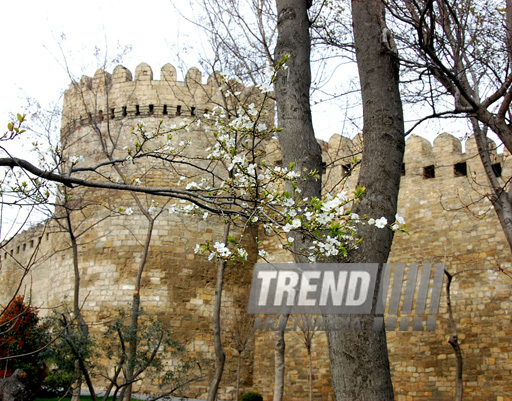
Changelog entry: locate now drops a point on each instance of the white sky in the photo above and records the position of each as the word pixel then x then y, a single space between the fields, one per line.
pixel 31 31
pixel 32 63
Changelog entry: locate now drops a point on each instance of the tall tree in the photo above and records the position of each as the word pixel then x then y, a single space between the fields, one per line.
pixel 359 360
pixel 297 138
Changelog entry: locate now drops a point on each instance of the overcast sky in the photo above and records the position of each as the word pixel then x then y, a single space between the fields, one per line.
pixel 31 30
pixel 32 62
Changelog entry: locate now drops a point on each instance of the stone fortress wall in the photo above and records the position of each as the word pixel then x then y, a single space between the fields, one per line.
pixel 99 114
pixel 442 198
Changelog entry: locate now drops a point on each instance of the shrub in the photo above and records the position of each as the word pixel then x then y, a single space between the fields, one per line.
pixel 71 340
pixel 22 338
pixel 251 396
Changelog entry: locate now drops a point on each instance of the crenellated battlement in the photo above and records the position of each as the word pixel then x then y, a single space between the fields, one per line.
pixel 125 95
pixel 444 159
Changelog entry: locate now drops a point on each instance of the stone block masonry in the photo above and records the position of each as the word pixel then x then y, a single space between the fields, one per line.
pixel 442 199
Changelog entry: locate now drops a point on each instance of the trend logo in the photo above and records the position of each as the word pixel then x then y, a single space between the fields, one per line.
pixel 388 292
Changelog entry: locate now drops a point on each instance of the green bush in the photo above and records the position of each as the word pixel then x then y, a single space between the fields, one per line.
pixel 251 396
pixel 71 340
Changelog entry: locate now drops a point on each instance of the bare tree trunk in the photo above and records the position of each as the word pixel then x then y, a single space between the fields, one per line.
pixel 359 359
pixel 220 355
pixel 500 198
pixel 238 368
pixel 80 361
pixel 453 340
pixel 310 360
pixel 126 394
pixel 297 138
pixel 279 363
pixel 77 379
pixel 292 87
pixel 82 325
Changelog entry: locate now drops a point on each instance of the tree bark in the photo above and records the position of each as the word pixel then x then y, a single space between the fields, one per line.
pixel 83 328
pixel 220 355
pixel 359 359
pixel 126 393
pixel 279 364
pixel 297 138
pixel 292 86
pixel 453 340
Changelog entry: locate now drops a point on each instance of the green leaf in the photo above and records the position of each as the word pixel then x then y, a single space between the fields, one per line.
pixel 359 191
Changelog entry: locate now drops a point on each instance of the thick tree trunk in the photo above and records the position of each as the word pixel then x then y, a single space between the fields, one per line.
pixel 359 359
pixel 297 139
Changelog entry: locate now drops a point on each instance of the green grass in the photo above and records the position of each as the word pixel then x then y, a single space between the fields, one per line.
pixel 82 398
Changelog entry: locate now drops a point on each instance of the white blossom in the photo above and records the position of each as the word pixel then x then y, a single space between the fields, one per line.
pixel 242 253
pixel 261 127
pixel 399 219
pixel 287 227
pixel 221 249
pixel 265 87
pixel 76 159
pixel 263 254
pixel 251 169
pixel 381 223
pixel 237 160
pixel 288 202
pixel 292 174
pixel 296 223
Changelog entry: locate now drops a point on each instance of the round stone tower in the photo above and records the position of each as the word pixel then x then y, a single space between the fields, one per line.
pixel 102 123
